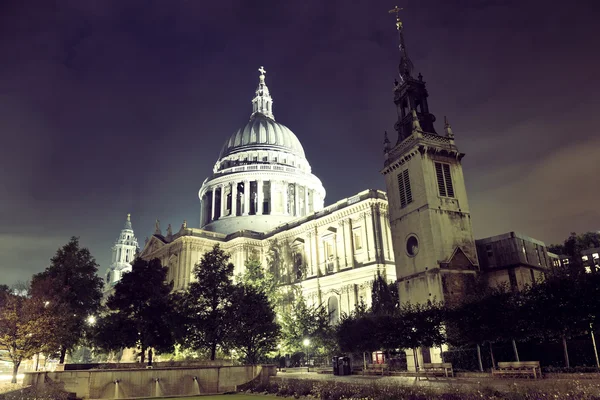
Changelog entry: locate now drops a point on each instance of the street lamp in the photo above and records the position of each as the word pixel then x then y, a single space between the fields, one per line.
pixel 91 320
pixel 306 344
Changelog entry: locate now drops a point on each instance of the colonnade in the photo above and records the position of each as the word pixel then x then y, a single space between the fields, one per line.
pixel 257 197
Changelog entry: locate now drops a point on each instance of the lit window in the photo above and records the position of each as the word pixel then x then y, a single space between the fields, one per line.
pixel 357 239
pixel 565 261
pixel 444 179
pixel 404 187
pixel 584 258
pixel 595 256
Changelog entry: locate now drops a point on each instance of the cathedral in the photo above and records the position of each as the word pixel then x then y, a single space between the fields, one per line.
pixel 262 195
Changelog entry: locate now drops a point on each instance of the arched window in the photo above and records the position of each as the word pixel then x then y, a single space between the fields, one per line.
pixel 333 309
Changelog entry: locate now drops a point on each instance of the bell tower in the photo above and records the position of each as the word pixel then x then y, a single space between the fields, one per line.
pixel 434 248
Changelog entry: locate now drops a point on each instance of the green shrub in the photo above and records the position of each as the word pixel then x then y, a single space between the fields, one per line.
pixel 335 390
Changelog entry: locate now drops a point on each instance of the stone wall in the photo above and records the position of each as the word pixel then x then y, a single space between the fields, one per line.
pixel 148 383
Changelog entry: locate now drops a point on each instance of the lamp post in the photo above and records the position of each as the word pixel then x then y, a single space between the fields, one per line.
pixel 306 344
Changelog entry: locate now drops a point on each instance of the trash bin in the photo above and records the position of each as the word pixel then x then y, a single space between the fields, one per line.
pixel 340 364
pixel 346 367
pixel 334 362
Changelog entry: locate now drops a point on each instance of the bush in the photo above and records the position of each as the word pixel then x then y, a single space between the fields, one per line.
pixel 334 390
pixel 51 391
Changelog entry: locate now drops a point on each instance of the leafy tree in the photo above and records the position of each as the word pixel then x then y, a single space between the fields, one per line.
pixel 140 311
pixel 260 279
pixel 573 247
pixel 208 303
pixel 24 326
pixel 304 322
pixel 279 260
pixel 557 309
pixel 358 334
pixel 384 296
pixel 72 290
pixel 255 331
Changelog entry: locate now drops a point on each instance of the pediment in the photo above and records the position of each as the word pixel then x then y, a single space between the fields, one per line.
pixel 153 245
pixel 458 261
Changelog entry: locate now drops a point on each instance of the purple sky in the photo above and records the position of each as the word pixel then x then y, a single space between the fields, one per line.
pixel 116 106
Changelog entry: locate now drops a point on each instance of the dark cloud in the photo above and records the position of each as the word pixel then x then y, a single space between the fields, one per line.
pixel 122 106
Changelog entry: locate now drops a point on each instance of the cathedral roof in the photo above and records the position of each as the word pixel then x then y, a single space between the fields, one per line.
pixel 263 132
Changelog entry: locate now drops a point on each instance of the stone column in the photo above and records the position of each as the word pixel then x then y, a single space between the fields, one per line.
pixel 233 199
pixel 306 212
pixel 368 234
pixel 285 198
pixel 259 197
pixel 223 200
pixel 317 258
pixel 342 227
pixel 351 243
pixel 296 200
pixel 212 205
pixel 246 207
pixel 336 258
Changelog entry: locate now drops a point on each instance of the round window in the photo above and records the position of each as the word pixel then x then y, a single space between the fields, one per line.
pixel 412 246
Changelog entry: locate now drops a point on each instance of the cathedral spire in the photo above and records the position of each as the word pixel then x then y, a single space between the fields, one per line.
pixel 262 103
pixel 128 222
pixel 406 66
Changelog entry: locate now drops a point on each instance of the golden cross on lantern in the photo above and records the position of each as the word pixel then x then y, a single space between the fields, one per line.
pixel 396 11
pixel 262 70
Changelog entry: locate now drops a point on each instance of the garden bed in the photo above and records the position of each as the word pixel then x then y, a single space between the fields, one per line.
pixel 332 390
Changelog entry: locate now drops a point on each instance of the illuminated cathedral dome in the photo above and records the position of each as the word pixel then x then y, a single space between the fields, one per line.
pixel 264 132
pixel 262 178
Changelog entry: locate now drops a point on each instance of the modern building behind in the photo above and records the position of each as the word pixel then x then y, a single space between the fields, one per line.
pixel 513 259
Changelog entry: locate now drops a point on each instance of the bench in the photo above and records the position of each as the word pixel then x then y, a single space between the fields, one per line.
pixel 437 369
pixel 377 369
pixel 518 368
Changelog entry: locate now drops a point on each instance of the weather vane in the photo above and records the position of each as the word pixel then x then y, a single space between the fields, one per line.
pixel 396 11
pixel 262 74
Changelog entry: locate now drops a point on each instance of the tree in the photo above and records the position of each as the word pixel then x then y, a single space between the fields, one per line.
pixel 279 260
pixel 573 247
pixel 557 309
pixel 255 331
pixel 140 311
pixel 72 291
pixel 24 325
pixel 208 303
pixel 304 322
pixel 260 279
pixel 384 296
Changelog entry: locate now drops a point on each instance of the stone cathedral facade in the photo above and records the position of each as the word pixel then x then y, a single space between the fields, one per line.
pixel 262 191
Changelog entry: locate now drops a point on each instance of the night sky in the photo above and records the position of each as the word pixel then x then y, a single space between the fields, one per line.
pixel 115 107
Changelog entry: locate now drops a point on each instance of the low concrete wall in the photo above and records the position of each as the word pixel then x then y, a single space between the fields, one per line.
pixel 137 365
pixel 147 383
